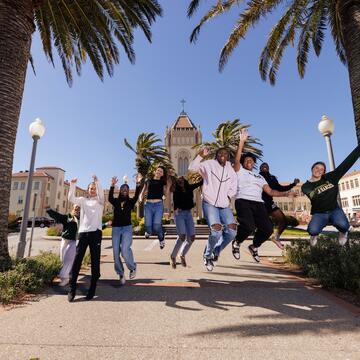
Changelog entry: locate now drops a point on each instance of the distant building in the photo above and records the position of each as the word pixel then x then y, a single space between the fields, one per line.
pixel 48 189
pixel 179 141
pixel 350 193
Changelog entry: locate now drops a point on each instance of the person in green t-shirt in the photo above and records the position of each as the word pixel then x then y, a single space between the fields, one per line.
pixel 322 189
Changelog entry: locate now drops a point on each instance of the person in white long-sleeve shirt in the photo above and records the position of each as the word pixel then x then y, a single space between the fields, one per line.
pixel 90 234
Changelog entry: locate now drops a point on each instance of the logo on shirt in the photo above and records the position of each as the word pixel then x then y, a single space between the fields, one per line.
pixel 320 189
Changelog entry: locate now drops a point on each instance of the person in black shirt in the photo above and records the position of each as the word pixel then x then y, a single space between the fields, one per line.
pixel 154 190
pixel 322 189
pixel 122 231
pixel 183 199
pixel 273 210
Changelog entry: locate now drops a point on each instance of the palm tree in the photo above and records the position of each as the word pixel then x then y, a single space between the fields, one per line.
pixel 78 29
pixel 304 22
pixel 226 136
pixel 149 153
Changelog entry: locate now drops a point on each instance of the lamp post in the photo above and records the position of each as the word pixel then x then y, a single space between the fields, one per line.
pixel 36 130
pixel 326 127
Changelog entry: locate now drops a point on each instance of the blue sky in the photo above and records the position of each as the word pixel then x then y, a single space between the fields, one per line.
pixel 86 124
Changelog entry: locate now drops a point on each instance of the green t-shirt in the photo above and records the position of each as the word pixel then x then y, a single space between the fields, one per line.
pixel 323 193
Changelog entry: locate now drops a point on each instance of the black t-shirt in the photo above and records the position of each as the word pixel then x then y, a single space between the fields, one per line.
pixel 155 189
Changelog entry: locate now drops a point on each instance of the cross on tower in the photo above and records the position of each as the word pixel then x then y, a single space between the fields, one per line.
pixel 183 105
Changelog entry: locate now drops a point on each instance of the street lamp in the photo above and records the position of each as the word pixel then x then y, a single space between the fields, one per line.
pixel 36 130
pixel 326 127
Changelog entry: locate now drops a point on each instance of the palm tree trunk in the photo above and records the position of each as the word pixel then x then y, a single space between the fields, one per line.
pixel 350 20
pixel 16 23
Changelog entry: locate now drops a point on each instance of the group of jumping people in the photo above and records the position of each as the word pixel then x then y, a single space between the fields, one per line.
pixel 221 181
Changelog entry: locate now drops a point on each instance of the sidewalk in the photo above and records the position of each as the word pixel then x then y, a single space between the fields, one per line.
pixel 241 310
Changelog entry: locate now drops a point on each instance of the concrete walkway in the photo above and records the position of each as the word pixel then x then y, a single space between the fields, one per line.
pixel 241 310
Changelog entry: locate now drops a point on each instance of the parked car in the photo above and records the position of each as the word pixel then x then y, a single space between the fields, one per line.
pixel 40 221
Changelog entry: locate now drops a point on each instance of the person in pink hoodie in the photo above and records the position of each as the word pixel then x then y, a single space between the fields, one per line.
pixel 219 187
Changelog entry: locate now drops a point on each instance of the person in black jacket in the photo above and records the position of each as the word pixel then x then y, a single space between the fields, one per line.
pixel 183 198
pixel 122 231
pixel 68 240
pixel 273 210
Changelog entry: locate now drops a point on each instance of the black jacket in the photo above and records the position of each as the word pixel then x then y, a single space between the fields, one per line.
pixel 70 224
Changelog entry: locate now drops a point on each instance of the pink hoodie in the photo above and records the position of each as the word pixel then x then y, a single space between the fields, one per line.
pixel 220 182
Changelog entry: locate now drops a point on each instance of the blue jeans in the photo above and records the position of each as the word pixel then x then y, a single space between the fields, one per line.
pixel 185 230
pixel 153 218
pixel 121 243
pixel 334 217
pixel 223 216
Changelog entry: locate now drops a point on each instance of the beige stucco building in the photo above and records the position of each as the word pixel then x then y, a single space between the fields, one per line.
pixel 48 189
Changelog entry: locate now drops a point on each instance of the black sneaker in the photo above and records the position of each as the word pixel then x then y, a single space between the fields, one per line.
pixel 183 261
pixel 162 244
pixel 147 235
pixel 71 295
pixel 254 253
pixel 215 258
pixel 235 250
pixel 209 264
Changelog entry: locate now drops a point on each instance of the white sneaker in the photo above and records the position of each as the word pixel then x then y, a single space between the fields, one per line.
pixel 122 280
pixel 63 282
pixel 343 238
pixel 313 240
pixel 132 274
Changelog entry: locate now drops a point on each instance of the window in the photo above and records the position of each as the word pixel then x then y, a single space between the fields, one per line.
pixel 347 185
pixel 352 184
pixel 356 200
pixel 36 185
pixel 64 203
pixel 16 185
pixel 48 186
pixel 22 186
pixel 59 194
pixel 47 200
pixel 57 207
pixel 60 182
pixel 343 186
pixel 344 202
pixel 285 206
pixel 356 183
pixel 20 199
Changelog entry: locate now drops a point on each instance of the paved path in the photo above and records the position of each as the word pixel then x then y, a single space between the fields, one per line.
pixel 242 310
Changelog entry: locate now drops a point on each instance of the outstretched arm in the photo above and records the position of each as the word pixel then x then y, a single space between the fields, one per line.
pixel 72 192
pixel 243 136
pixel 59 218
pixel 342 169
pixel 277 193
pixel 274 184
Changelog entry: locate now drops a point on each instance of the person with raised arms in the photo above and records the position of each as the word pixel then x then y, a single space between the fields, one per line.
pixel 90 234
pixel 250 208
pixel 218 188
pixel 323 189
pixel 122 230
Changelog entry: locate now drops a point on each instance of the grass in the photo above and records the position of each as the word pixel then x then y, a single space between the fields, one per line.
pixel 295 232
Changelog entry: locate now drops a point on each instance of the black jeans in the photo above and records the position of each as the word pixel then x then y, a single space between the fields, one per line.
pixel 93 240
pixel 252 216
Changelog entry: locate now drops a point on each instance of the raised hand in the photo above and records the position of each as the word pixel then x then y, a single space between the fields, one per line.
pixel 243 135
pixel 296 181
pixel 204 152
pixel 73 180
pixel 114 180
pixel 95 178
pixel 138 178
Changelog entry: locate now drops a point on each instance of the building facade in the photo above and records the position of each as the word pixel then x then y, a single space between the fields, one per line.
pixel 179 141
pixel 48 189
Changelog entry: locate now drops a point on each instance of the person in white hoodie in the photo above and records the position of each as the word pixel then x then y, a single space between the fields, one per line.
pixel 218 188
pixel 90 234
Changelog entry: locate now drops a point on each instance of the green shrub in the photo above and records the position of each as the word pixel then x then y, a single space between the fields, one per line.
pixel 87 259
pixel 134 219
pixel 107 231
pixel 53 231
pixel 166 221
pixel 28 276
pixel 107 217
pixel 201 221
pixel 333 265
pixel 140 229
